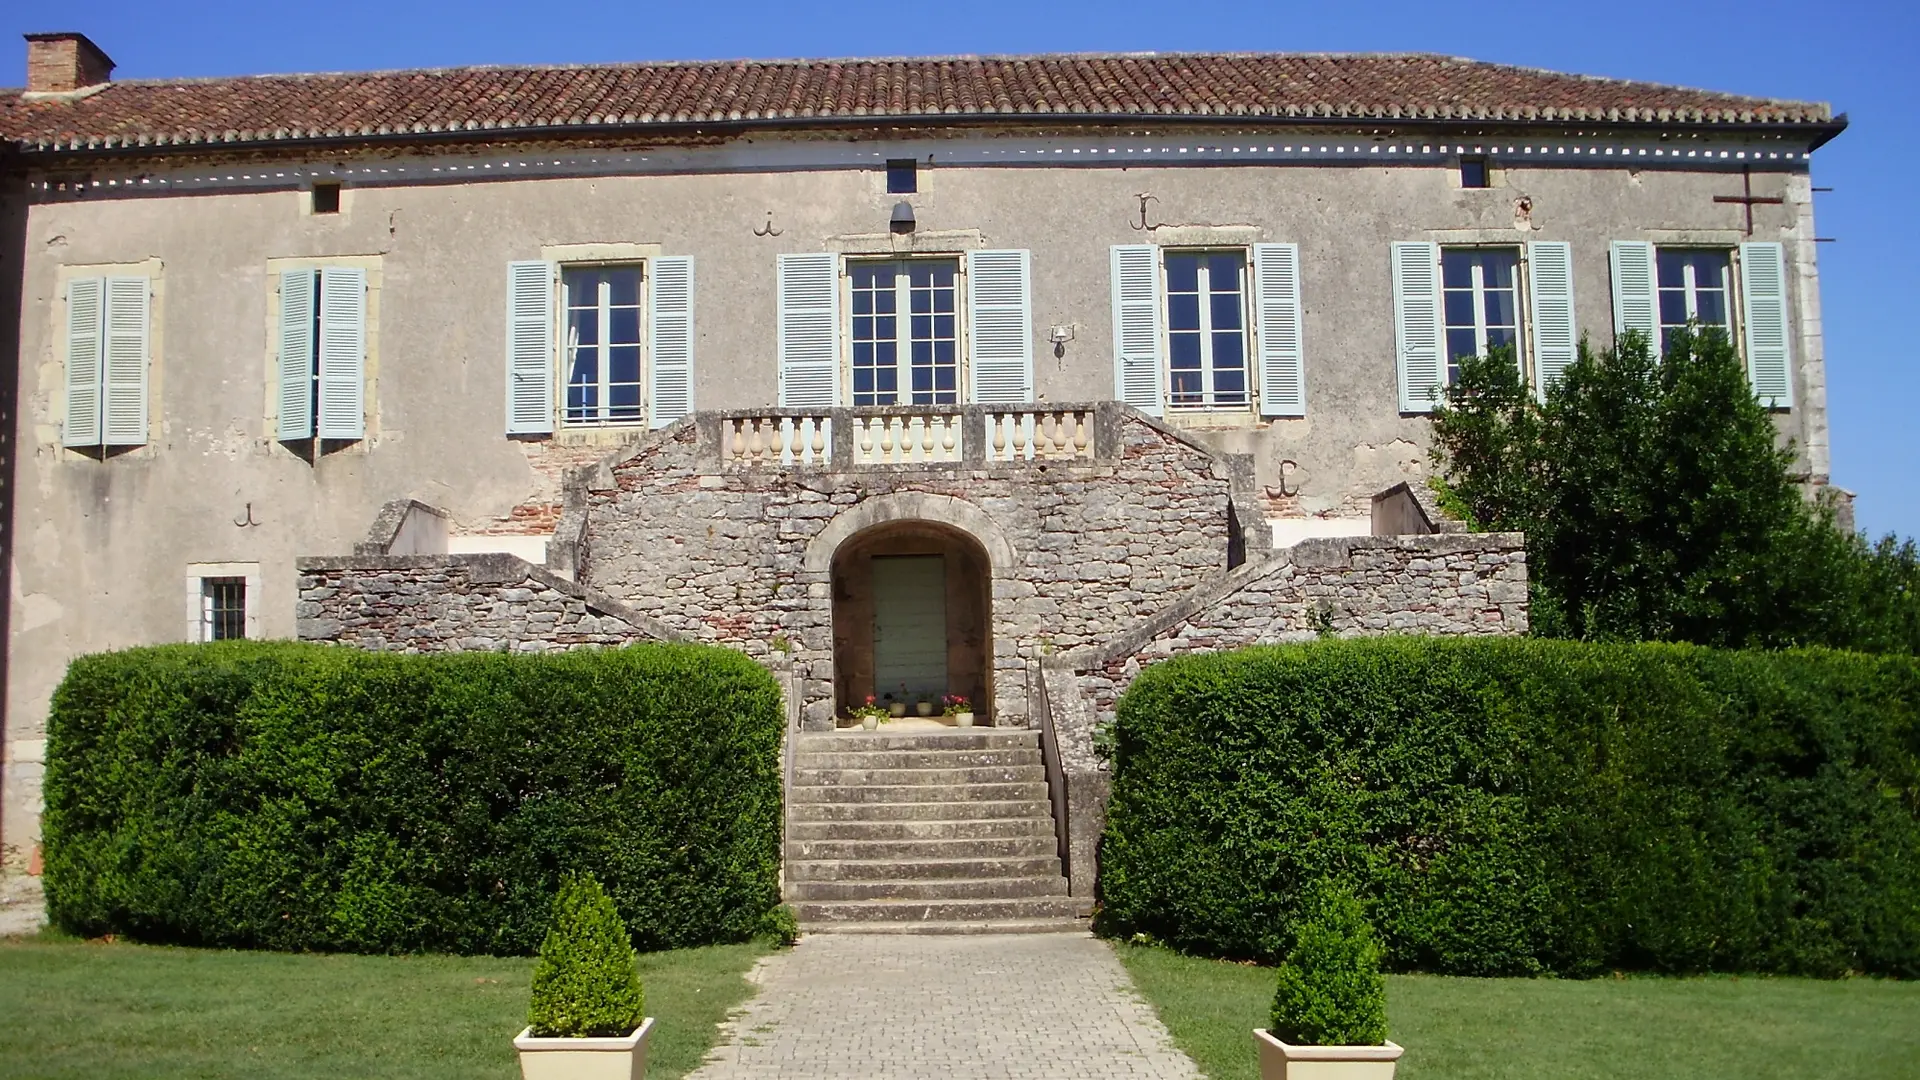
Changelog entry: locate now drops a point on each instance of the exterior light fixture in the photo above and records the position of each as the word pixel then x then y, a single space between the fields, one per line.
pixel 902 217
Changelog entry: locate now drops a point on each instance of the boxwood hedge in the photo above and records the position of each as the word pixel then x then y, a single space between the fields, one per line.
pixel 297 797
pixel 1520 806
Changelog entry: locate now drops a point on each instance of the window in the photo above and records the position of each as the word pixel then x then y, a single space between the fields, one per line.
pixel 322 354
pixel 326 198
pixel 1206 329
pixel 223 608
pixel 906 332
pixel 217 601
pixel 903 176
pixel 1474 172
pixel 1481 306
pixel 106 369
pixel 1694 283
pixel 602 362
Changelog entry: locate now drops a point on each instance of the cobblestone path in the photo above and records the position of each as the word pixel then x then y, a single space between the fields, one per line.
pixel 907 1007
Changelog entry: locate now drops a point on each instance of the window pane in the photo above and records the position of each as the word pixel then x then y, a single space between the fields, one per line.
pixel 1185 388
pixel 623 364
pixel 1183 273
pixel 1226 351
pixel 922 300
pixel 886 301
pixel 1711 307
pixel 1230 387
pixel 943 273
pixel 866 275
pixel 224 602
pixel 943 298
pixel 1499 336
pixel 885 328
pixel 1460 308
pixel 1183 312
pixel 623 326
pixel 1500 307
pixel 1673 307
pixel 583 325
pixel 623 286
pixel 1456 268
pixel 1672 267
pixel 1498 267
pixel 943 327
pixel 1460 342
pixel 1226 311
pixel 1184 350
pixel 862 301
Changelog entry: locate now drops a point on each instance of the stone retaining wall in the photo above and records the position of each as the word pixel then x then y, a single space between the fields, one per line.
pixel 458 603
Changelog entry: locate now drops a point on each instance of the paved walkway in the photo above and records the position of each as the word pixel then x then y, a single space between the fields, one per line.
pixel 905 1007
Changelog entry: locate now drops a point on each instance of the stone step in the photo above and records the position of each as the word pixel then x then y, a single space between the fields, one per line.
pixel 918 911
pixel 922 869
pixel 993 888
pixel 919 830
pixel 1006 847
pixel 982 810
pixel 951 927
pixel 996 774
pixel 915 759
pixel 971 739
pixel 918 793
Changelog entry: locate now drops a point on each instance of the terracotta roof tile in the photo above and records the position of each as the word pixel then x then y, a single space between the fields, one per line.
pixel 1360 86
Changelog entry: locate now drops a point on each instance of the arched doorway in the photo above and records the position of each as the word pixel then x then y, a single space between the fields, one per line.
pixel 912 616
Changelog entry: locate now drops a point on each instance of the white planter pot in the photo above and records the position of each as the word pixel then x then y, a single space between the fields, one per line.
pixel 1284 1061
pixel 869 722
pixel 898 708
pixel 623 1058
pixel 964 719
pixel 924 708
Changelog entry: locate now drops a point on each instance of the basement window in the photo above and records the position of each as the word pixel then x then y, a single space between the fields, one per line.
pixel 326 198
pixel 1474 173
pixel 903 176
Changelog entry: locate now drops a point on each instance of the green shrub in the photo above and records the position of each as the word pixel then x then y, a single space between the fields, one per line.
pixel 781 926
pixel 586 982
pixel 1514 806
pixel 304 797
pixel 1331 990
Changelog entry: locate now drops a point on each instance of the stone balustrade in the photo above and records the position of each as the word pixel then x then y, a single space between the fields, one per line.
pixel 913 436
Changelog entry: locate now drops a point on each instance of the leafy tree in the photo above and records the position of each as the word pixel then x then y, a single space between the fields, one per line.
pixel 1659 504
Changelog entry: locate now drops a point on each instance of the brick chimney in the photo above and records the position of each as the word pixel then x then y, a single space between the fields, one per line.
pixel 63 63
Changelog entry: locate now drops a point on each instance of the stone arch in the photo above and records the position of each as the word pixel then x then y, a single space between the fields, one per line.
pixel 912 506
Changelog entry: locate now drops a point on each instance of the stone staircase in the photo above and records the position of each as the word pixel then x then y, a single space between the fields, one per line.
pixel 931 833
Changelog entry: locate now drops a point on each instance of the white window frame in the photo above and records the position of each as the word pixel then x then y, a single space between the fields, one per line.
pixel 1522 309
pixel 903 351
pixel 1249 348
pixel 1690 290
pixel 198 575
pixel 564 346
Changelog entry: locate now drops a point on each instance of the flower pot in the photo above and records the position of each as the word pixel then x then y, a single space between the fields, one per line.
pixel 897 708
pixel 1284 1061
pixel 621 1058
pixel 924 708
pixel 869 722
pixel 964 719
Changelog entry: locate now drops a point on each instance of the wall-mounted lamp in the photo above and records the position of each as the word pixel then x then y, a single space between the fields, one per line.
pixel 902 222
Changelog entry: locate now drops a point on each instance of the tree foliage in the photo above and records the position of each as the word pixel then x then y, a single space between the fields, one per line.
pixel 1660 505
pixel 1331 991
pixel 586 982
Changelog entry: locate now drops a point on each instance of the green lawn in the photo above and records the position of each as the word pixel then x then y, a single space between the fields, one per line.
pixel 74 1009
pixel 1505 1029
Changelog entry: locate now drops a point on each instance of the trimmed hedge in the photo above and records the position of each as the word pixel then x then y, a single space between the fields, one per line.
pixel 286 796
pixel 1511 806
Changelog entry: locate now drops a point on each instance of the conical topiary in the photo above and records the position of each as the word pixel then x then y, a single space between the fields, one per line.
pixel 1331 990
pixel 586 982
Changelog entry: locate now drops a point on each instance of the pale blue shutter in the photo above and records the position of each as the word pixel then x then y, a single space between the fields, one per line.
pixel 123 407
pixel 1763 299
pixel 809 330
pixel 82 427
pixel 529 348
pixel 1636 304
pixel 1136 327
pixel 1416 325
pixel 1000 314
pixel 296 355
pixel 1550 283
pixel 670 340
pixel 1276 306
pixel 343 353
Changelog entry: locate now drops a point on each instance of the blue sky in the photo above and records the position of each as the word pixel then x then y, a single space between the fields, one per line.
pixel 1862 57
